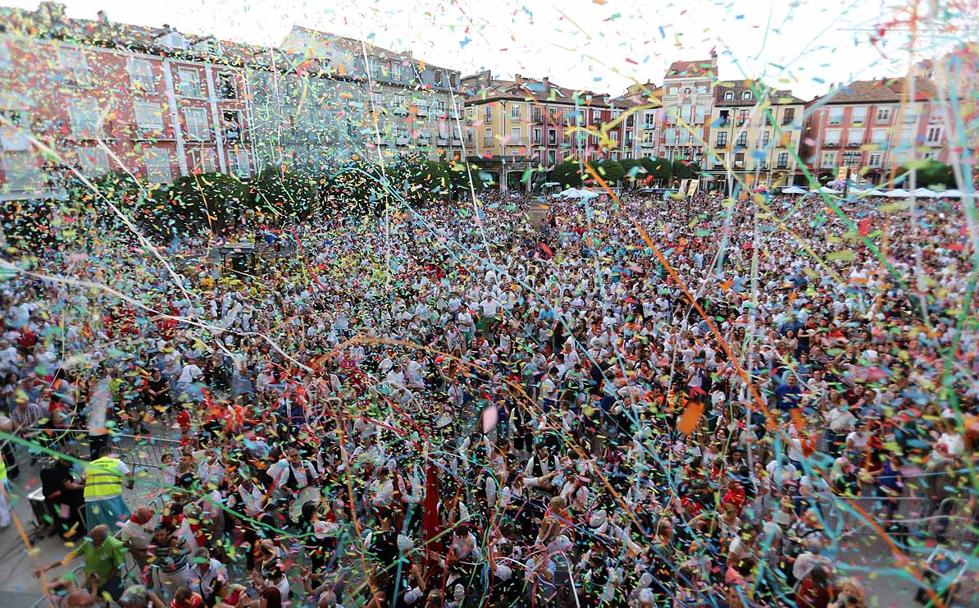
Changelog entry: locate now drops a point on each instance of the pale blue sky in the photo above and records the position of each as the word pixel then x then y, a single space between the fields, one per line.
pixel 594 44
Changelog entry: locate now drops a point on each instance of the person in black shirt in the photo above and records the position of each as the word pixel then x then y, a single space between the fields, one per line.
pixel 64 498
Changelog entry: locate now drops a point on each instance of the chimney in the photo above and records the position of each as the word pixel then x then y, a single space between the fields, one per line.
pixel 103 18
pixel 546 81
pixel 517 79
pixel 166 28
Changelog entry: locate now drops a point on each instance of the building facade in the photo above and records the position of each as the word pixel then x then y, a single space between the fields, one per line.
pixel 389 104
pixel 643 105
pixel 755 132
pixel 113 97
pixel 688 98
pixel 530 125
pixel 872 128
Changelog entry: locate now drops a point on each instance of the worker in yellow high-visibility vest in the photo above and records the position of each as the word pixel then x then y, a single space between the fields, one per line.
pixel 104 478
pixel 4 495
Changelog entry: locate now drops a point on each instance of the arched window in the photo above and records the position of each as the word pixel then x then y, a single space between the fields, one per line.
pixel 746 95
pixel 728 95
pixel 687 90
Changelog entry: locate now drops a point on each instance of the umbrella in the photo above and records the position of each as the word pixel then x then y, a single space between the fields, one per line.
pixel 576 193
pixel 896 193
pixel 925 193
pixel 794 190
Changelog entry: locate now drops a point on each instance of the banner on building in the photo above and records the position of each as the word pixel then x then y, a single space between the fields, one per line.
pixel 692 187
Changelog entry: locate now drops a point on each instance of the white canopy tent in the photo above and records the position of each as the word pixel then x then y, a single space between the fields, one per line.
pixel 576 193
pixel 870 192
pixel 828 190
pixel 794 190
pixel 950 194
pixel 897 193
pixel 925 193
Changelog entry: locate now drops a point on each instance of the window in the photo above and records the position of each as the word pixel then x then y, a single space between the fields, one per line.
pixel 197 128
pixel 874 159
pixel 231 119
pixel 488 114
pixel 614 135
pixel 700 112
pixel 19 170
pixel 851 159
pixel 227 86
pixel 858 115
pixel 515 136
pixel 782 161
pixel 742 117
pixel 831 137
pixel 551 158
pixel 157 165
pixel 189 83
pixel 739 159
pixel 788 116
pixel 141 75
pixel 878 137
pixel 673 90
pixel 910 117
pixel 537 114
pixel 438 78
pixel 72 61
pixel 854 137
pixel 746 95
pixel 536 136
pixel 728 95
pixel 596 115
pixel 764 138
pixel 487 137
pixel 86 120
pixel 201 160
pixel 149 115
pixel 883 114
pixel 649 120
pixel 717 160
pixel 92 160
pixel 742 141
pixel 934 135
pixel 828 160
pixel 721 139
pixel 670 136
pixel 551 137
pixel 835 116
pixel 238 163
pixel 701 89
pixel 515 111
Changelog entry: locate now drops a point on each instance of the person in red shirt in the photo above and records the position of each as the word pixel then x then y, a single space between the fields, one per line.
pixel 185 598
pixel 815 591
pixel 734 495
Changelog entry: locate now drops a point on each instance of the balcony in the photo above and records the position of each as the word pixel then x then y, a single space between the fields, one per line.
pixel 853 144
pixel 647 144
pixel 835 144
pixel 442 141
pixel 424 140
pixel 782 166
pixel 456 141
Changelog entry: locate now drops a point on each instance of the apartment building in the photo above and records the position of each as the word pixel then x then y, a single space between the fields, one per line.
pixel 755 131
pixel 417 105
pixel 872 127
pixel 688 98
pixel 643 105
pixel 105 96
pixel 527 123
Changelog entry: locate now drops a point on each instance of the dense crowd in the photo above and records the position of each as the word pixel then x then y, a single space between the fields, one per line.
pixel 504 405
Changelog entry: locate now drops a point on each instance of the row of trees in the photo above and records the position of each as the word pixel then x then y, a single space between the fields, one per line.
pixel 635 172
pixel 213 202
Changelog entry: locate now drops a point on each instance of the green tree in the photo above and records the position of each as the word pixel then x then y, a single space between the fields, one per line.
pixel 635 172
pixel 568 174
pixel 283 193
pixel 928 172
pixel 203 202
pixel 682 169
pixel 659 169
pixel 611 171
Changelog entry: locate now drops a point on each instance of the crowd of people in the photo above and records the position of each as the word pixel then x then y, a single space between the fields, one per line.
pixel 626 402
